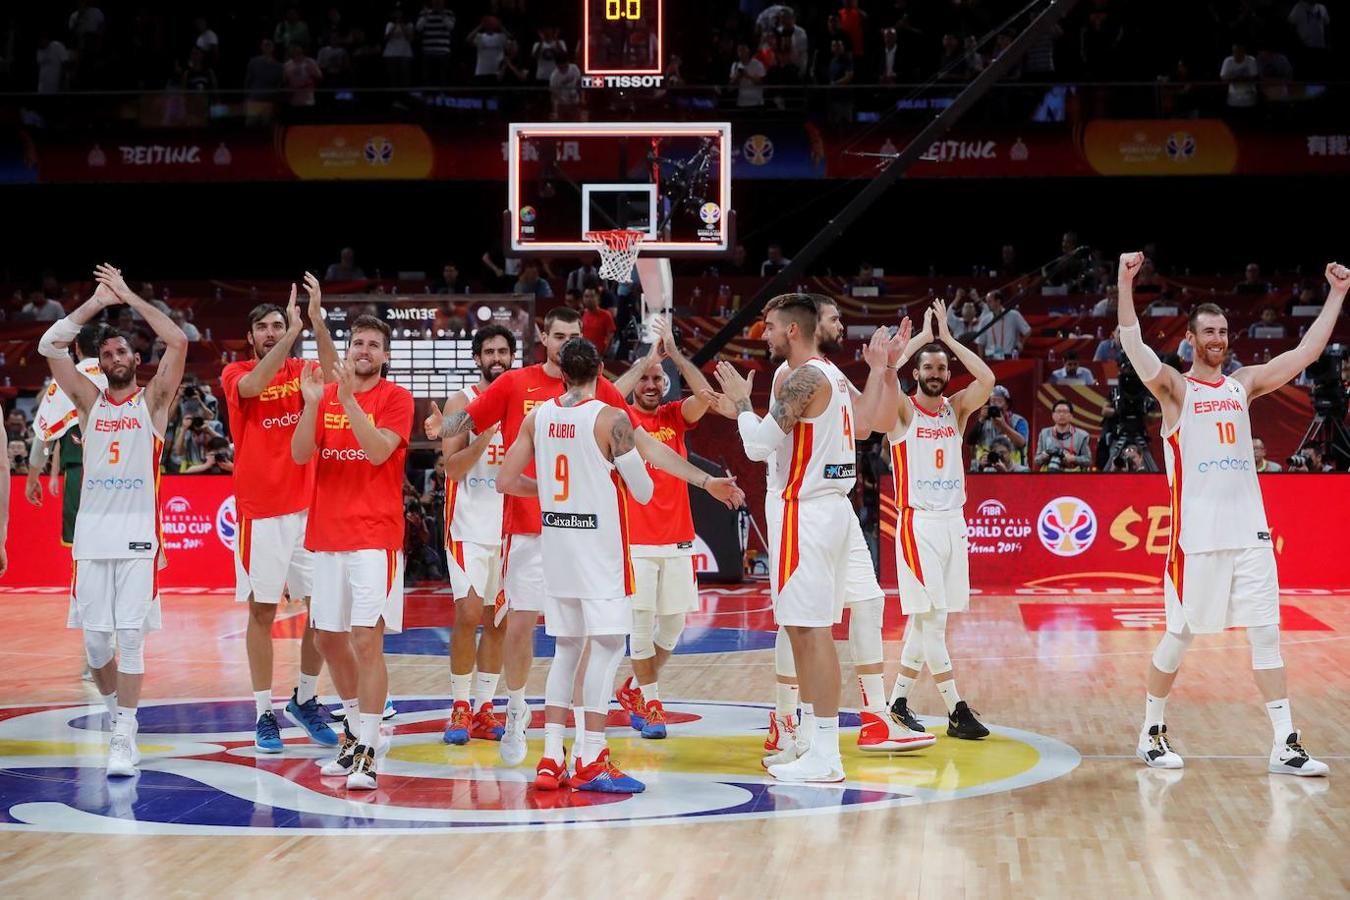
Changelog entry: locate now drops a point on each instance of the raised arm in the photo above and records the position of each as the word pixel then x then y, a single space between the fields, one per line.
pixel 696 405
pixel 328 355
pixel 456 450
pixel 905 407
pixel 512 478
pixel 55 346
pixel 876 408
pixel 253 384
pixel 626 383
pixel 1164 382
pixel 1271 376
pixel 793 395
pixel 969 399
pixel 169 374
pixel 303 443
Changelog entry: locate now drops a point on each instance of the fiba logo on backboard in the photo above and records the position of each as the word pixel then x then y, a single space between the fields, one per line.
pixel 1067 526
pixel 710 213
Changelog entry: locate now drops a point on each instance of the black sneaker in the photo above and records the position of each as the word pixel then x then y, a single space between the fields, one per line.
pixel 346 755
pixel 900 709
pixel 362 776
pixel 963 724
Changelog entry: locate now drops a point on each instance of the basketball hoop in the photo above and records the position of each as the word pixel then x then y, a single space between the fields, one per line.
pixel 618 252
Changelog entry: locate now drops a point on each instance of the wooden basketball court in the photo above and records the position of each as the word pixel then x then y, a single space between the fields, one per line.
pixel 1053 804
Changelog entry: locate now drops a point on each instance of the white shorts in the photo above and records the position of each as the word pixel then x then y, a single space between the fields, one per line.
pixel 475 566
pixel 108 594
pixel 270 555
pixel 523 572
pixel 1222 589
pixel 585 617
pixel 933 561
pixel 810 552
pixel 666 585
pixel 358 587
pixel 861 583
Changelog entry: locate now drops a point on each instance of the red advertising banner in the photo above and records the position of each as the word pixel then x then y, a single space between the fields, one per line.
pixel 1092 532
pixel 199 522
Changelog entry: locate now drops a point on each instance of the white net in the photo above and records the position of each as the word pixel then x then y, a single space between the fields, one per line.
pixel 618 252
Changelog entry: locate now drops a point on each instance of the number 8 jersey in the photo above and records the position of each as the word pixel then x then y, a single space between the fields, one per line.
pixel 1215 497
pixel 926 460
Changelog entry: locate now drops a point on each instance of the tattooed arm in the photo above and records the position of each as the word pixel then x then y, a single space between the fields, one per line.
pixel 791 400
pixel 617 440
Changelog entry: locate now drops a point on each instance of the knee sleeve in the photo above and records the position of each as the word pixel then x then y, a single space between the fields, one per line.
pixel 934 625
pixel 606 654
pixel 98 648
pixel 1167 658
pixel 641 644
pixel 566 656
pixel 668 631
pixel 1265 641
pixel 131 647
pixel 783 663
pixel 864 632
pixel 911 653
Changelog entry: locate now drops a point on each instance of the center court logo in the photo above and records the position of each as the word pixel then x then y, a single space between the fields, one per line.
pixel 200 776
pixel 1067 526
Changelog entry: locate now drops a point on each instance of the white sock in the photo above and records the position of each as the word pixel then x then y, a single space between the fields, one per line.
pixel 873 689
pixel 903 685
pixel 485 687
pixel 786 705
pixel 826 742
pixel 110 701
pixel 306 689
pixel 262 701
pixel 126 721
pixel 578 720
pixel 516 700
pixel 1281 720
pixel 650 692
pixel 370 729
pixel 949 695
pixel 1153 711
pixel 351 709
pixel 553 741
pixel 595 744
pixel 806 731
pixel 459 687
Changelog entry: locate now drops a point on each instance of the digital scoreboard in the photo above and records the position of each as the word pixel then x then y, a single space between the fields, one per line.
pixel 622 44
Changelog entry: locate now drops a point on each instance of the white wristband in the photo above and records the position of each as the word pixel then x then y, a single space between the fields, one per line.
pixel 62 330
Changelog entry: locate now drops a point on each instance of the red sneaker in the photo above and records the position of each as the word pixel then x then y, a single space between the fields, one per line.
pixel 550 775
pixel 632 702
pixel 884 733
pixel 486 726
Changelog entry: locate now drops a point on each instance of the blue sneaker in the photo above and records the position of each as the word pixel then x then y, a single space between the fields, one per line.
pixel 604 777
pixel 457 731
pixel 313 718
pixel 654 723
pixel 267 736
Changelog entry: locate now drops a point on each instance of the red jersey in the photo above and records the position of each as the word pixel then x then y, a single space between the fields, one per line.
pixel 507 402
pixel 358 506
pixel 597 326
pixel 665 519
pixel 267 482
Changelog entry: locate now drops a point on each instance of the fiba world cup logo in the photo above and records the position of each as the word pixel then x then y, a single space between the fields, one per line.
pixel 1180 146
pixel 758 150
pixel 227 523
pixel 1067 526
pixel 379 151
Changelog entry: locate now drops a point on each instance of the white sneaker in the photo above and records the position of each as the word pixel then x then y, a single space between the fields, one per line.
pixel 512 748
pixel 1155 750
pixel 123 756
pixel 810 769
pixel 1290 758
pixel 346 756
pixel 782 732
pixel 362 775
pixel 883 732
pixel 795 748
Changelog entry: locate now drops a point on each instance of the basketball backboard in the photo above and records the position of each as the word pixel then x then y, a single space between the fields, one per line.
pixel 669 180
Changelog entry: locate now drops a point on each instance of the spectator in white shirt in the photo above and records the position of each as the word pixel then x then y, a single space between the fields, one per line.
pixel 545 53
pixel 747 74
pixel 1106 307
pixel 490 41
pixel 1006 334
pixel 776 262
pixel 41 309
pixel 189 330
pixel 1240 72
pixel 207 40
pixel 52 58
pixel 889 65
pixel 398 49
pixel 801 44
pixel 1072 372
pixel 564 85
pixel 301 75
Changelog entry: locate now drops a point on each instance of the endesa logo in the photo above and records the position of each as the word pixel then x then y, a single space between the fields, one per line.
pixel 571 520
pixel 344 455
pixel 1230 464
pixel 840 470
pixel 114 484
pixel 474 481
pixel 290 420
pixel 939 484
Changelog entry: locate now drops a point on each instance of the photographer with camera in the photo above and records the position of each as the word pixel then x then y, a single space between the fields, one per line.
pixel 1309 459
pixel 1063 447
pixel 219 459
pixel 994 419
pixel 998 458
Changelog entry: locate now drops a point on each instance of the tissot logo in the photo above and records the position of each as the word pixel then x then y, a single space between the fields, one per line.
pixel 571 520
pixel 840 470
pixel 624 81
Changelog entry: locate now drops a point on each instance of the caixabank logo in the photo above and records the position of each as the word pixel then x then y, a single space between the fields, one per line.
pixel 199 775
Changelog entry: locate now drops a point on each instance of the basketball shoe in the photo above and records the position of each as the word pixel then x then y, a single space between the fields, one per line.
pixel 486 726
pixel 632 702
pixel 654 721
pixel 782 731
pixel 346 754
pixel 312 717
pixel 810 768
pixel 457 731
pixel 1290 758
pixel 362 777
pixel 513 748
pixel 603 776
pixel 900 709
pixel 963 724
pixel 123 756
pixel 267 734
pixel 1156 751
pixel 550 775
pixel 884 733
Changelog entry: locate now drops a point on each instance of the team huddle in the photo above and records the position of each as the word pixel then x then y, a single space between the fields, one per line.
pixel 564 499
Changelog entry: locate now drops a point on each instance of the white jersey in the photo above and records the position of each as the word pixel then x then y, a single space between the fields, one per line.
pixel 926 461
pixel 473 508
pixel 818 457
pixel 56 413
pixel 119 502
pixel 585 506
pixel 1212 473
